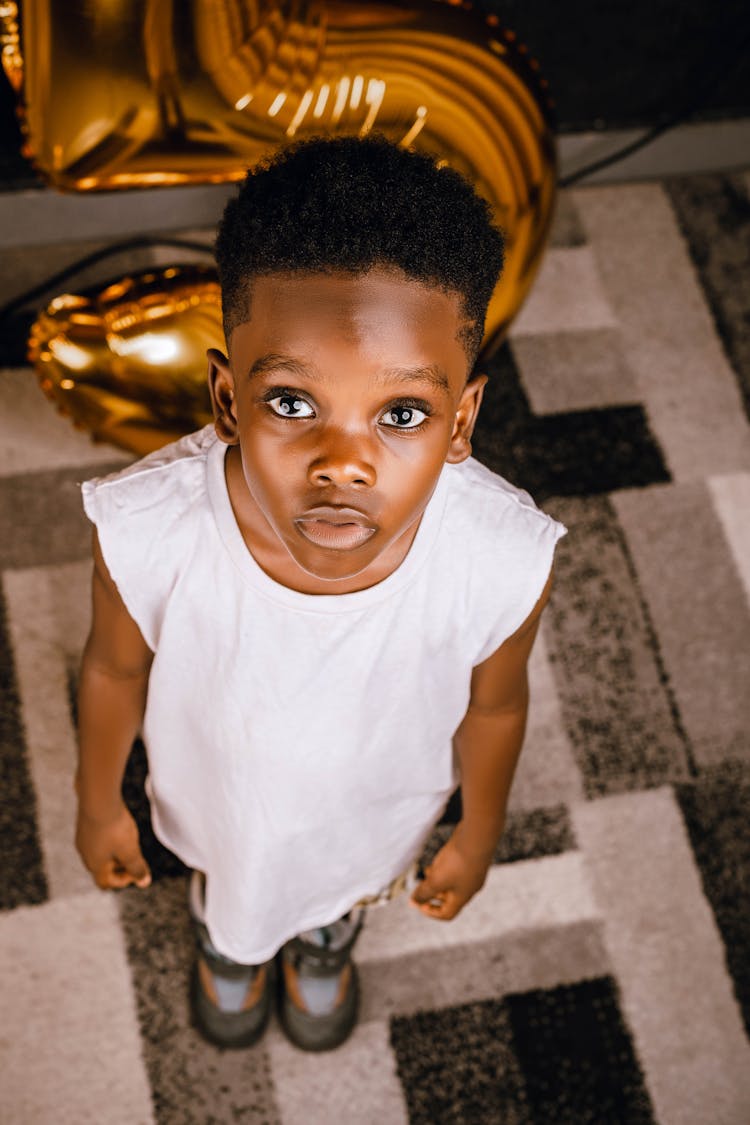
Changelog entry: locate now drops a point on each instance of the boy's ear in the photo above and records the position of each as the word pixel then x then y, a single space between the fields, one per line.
pixel 466 416
pixel 221 389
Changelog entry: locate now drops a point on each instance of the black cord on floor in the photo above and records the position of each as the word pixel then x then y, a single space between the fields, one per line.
pixel 56 279
pixel 620 153
pixel 704 91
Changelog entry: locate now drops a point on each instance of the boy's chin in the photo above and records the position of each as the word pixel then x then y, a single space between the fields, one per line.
pixel 334 569
pixel 335 566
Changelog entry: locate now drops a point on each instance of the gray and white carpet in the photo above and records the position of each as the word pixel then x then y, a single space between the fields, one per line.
pixel 603 974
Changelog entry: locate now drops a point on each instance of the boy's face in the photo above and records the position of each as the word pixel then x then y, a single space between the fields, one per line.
pixel 344 395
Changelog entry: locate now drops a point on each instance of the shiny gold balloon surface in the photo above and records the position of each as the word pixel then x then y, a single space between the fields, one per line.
pixel 129 363
pixel 133 93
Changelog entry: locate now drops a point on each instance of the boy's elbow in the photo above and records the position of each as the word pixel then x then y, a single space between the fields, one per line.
pixel 112 666
pixel 503 699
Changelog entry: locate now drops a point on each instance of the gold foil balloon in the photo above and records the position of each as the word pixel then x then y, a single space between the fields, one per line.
pixel 132 93
pixel 129 363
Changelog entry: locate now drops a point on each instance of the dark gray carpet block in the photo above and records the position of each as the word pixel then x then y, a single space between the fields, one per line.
pixel 716 810
pixel 570 454
pixel 528 835
pixel 577 1057
pixel 458 1066
pixel 536 832
pixel 561 1055
pixel 22 878
pixel 46 516
pixel 714 215
pixel 613 691
pixel 193 1083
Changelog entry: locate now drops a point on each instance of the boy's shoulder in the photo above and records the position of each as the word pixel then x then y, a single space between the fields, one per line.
pixel 153 496
pixel 149 518
pixel 157 475
pixel 481 500
pixel 163 498
pixel 498 550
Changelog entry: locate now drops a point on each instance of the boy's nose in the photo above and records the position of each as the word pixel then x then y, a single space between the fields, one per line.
pixel 341 463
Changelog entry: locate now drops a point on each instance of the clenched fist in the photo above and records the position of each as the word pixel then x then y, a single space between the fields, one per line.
pixel 454 876
pixel 110 849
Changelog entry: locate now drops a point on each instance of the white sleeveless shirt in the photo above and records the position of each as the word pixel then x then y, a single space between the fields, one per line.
pixel 299 745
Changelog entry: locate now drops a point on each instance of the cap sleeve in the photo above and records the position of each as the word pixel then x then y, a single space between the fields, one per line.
pixel 147 519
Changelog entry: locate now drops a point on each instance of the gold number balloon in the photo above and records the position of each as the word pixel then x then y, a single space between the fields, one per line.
pixel 133 93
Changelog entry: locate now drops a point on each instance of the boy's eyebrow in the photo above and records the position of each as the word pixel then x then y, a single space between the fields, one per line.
pixel 429 373
pixel 273 362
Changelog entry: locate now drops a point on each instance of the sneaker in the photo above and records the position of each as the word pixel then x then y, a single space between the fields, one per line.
pixel 230 1002
pixel 319 986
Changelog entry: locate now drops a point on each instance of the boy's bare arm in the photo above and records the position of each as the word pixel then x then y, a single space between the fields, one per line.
pixel 488 743
pixel 111 701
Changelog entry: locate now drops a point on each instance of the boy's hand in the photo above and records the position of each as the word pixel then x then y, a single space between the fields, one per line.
pixel 454 876
pixel 111 850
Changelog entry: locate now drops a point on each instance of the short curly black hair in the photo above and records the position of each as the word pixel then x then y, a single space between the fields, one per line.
pixel 346 204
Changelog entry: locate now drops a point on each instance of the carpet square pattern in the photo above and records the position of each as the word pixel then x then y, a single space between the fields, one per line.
pixel 601 976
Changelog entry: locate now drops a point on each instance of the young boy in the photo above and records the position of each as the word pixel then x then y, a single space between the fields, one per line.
pixel 320 609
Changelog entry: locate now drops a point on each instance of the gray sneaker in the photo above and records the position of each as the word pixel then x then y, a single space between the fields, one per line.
pixel 230 1002
pixel 319 986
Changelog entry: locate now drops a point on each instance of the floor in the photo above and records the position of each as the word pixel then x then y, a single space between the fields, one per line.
pixel 602 974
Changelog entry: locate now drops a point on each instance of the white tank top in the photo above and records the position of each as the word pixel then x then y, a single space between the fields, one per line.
pixel 299 745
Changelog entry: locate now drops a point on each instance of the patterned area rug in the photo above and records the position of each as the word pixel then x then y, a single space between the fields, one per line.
pixel 602 974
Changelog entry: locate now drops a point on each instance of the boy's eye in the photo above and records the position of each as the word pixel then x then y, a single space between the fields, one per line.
pixel 404 417
pixel 290 406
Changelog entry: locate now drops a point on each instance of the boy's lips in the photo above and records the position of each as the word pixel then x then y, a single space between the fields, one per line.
pixel 341 529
